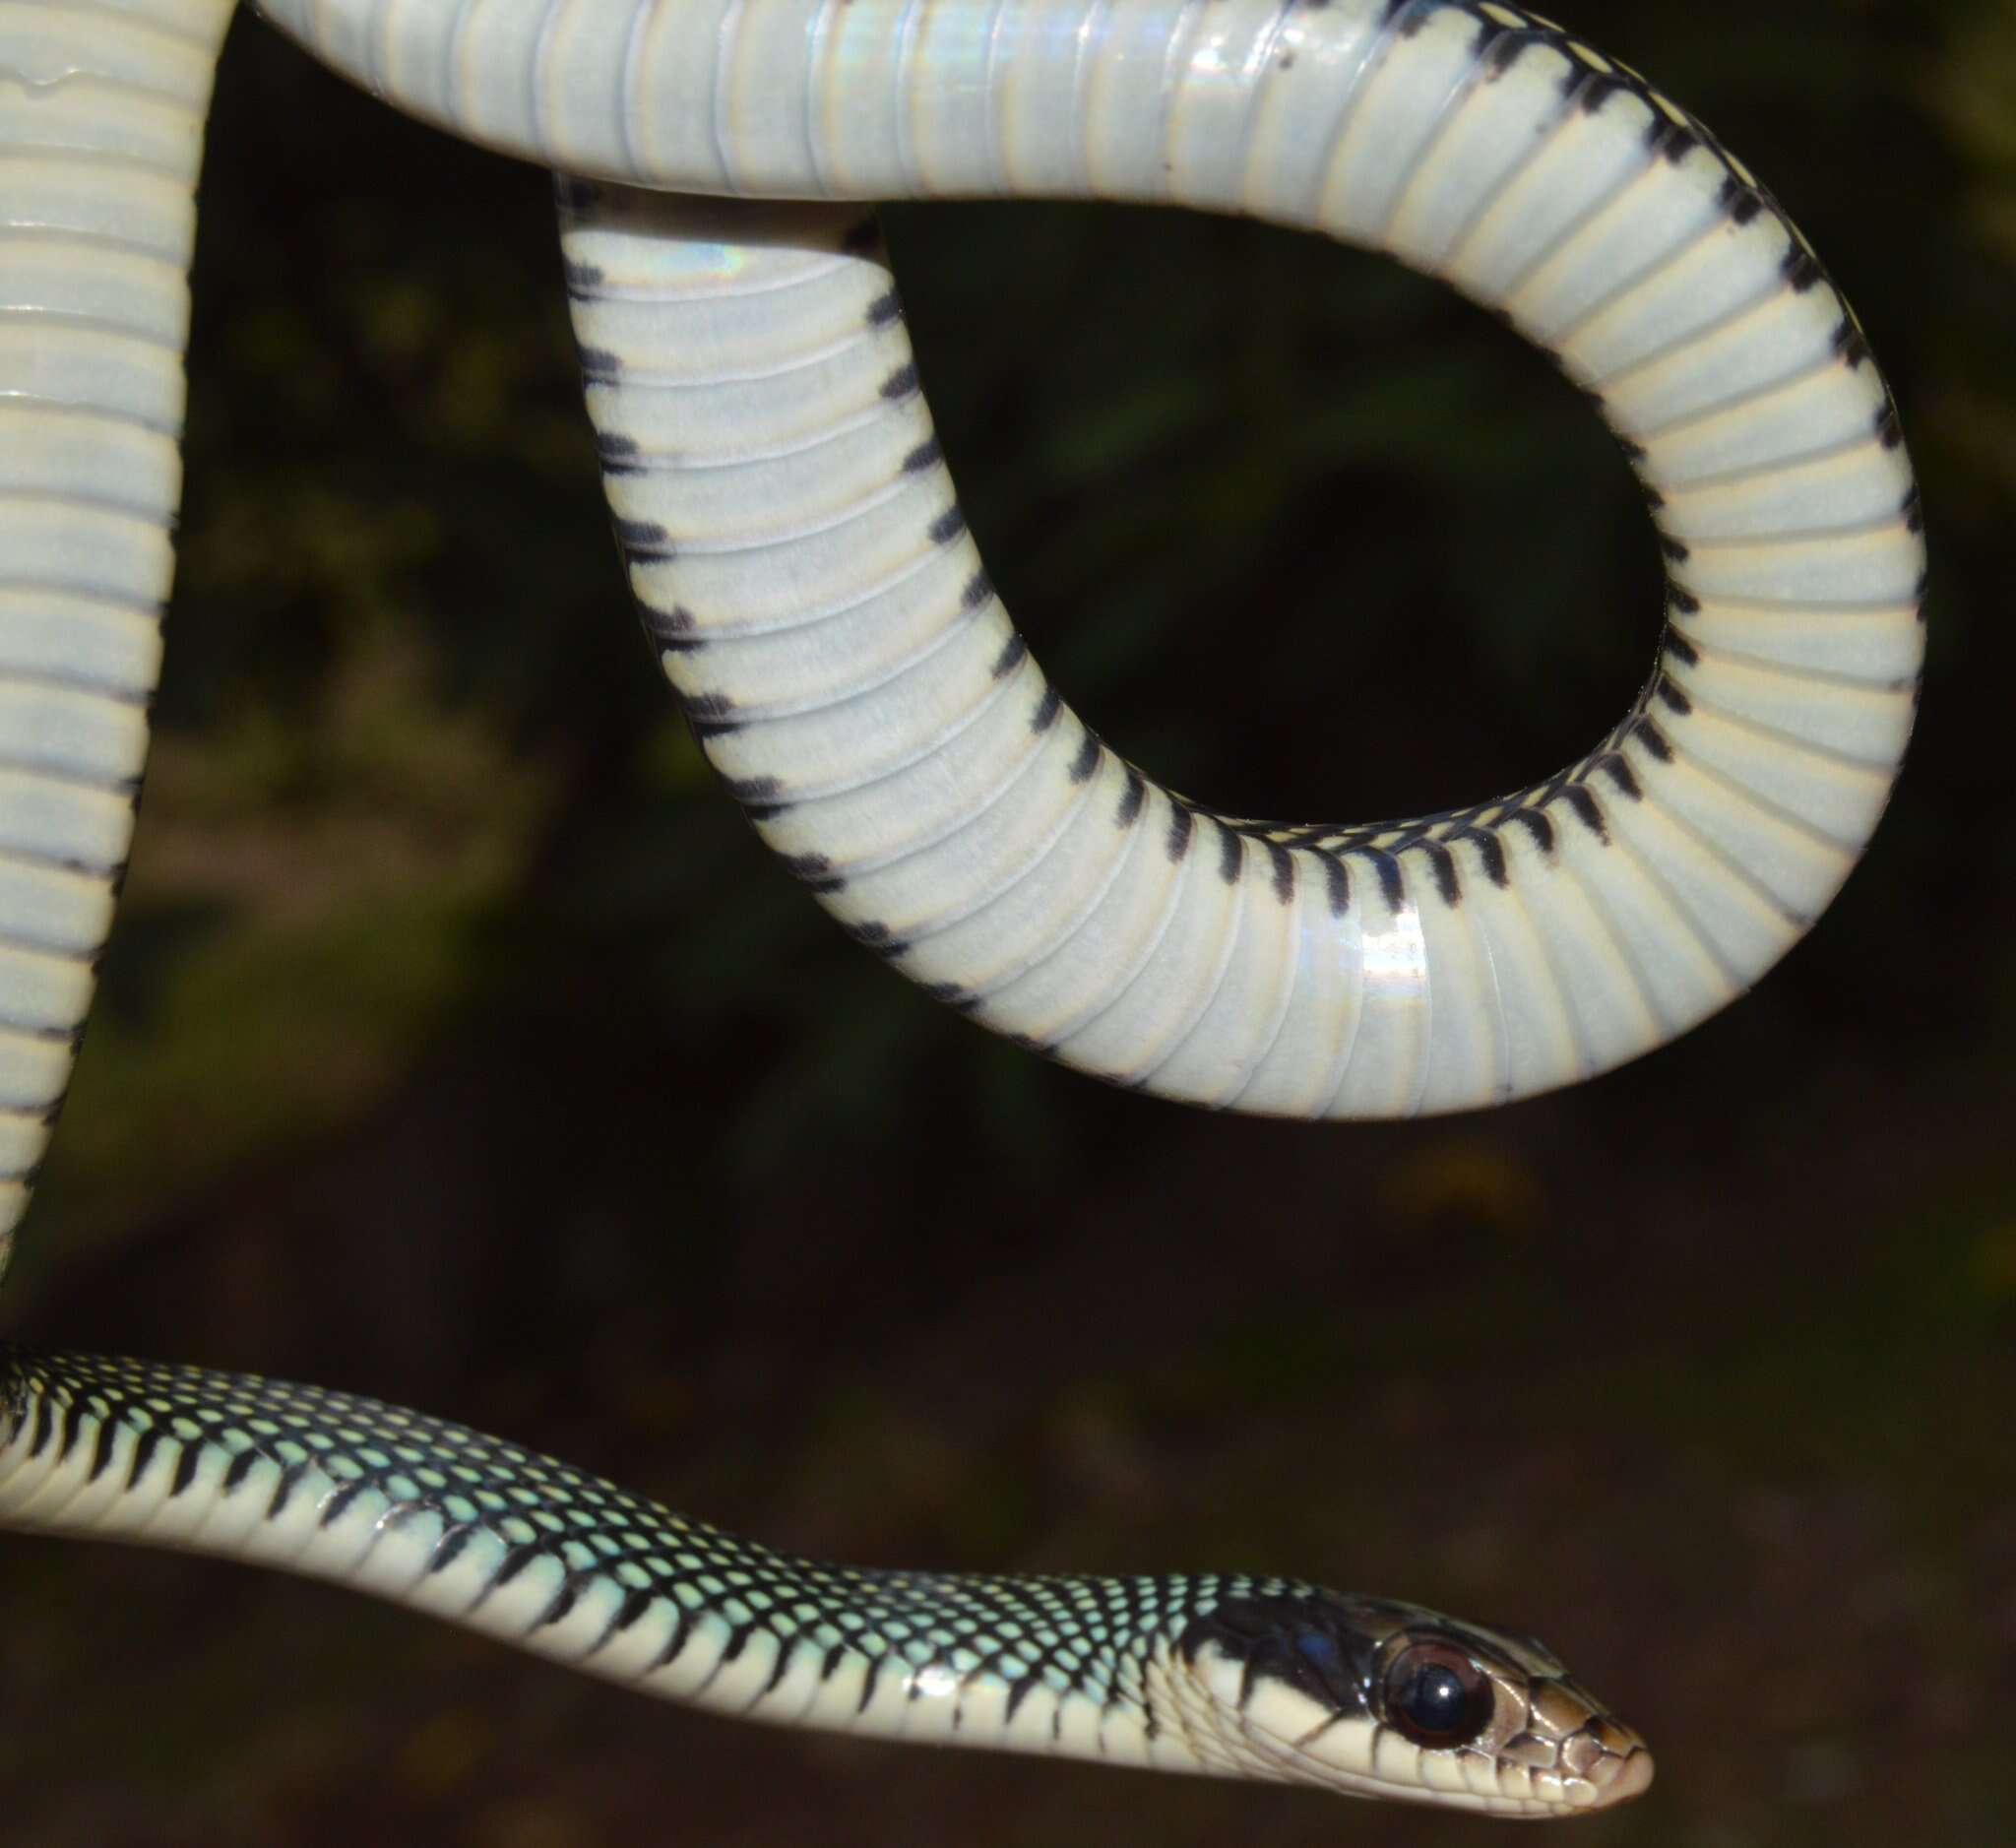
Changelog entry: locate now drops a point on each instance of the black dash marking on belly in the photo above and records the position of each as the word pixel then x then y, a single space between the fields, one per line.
pixel 777 1670
pixel 1678 597
pixel 1336 884
pixel 948 526
pixel 1501 50
pixel 516 1559
pixel 1537 825
pixel 241 1465
pixel 1444 864
pixel 816 870
pixel 636 1601
pixel 1679 648
pixel 1654 499
pixel 1742 203
pixel 885 309
pixel 1675 549
pixel 923 455
pixel 102 1446
pixel 1131 799
pixel 75 1415
pixel 1621 773
pixel 185 1470
pixel 669 1651
pixel 450 1546
pixel 960 999
pixel 44 1426
pixel 1182 819
pixel 1673 141
pixel 1850 343
pixel 642 538
pixel 1888 431
pixel 145 1443
pixel 1010 657
pixel 1019 1690
pixel 617 453
pixel 875 934
pixel 1046 709
pixel 284 1489
pixel 710 714
pixel 563 1601
pixel 1284 871
pixel 1392 886
pixel 1491 850
pixel 1913 508
pixel 1596 90
pixel 665 621
pixel 1586 811
pixel 755 789
pixel 1653 739
pixel 1087 760
pixel 669 628
pixel 1801 269
pixel 1231 853
pixel 1672 696
pixel 979 587
pixel 1633 452
pixel 338 1505
pixel 902 382
pixel 600 365
pixel 580 276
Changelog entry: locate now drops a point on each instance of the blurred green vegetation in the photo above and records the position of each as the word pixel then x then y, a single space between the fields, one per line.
pixel 459 1044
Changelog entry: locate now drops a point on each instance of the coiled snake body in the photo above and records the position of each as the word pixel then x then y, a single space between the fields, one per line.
pixel 803 570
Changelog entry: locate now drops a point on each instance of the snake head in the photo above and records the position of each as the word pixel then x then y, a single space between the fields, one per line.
pixel 1376 1698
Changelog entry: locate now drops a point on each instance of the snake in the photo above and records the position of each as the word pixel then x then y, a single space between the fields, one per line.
pixel 806 579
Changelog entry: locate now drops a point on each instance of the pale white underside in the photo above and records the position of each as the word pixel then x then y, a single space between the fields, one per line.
pixel 862 685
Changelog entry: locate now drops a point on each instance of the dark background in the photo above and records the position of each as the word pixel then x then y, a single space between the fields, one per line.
pixel 459 1044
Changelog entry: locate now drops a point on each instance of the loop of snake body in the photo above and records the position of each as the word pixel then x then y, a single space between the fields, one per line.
pixel 805 575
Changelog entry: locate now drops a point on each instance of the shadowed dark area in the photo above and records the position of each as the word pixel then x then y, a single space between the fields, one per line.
pixel 459 1044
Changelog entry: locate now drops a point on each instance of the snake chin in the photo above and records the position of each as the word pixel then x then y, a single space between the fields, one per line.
pixel 1374 1698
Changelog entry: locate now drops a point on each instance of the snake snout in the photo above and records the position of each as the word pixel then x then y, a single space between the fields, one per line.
pixel 1579 1754
pixel 1619 1775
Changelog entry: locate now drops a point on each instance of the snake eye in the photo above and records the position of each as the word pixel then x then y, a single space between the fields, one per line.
pixel 1434 1695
